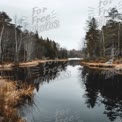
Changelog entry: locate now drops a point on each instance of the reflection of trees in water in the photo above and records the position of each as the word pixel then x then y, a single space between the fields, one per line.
pixel 74 62
pixel 113 108
pixel 24 81
pixel 35 75
pixel 109 90
pixel 91 89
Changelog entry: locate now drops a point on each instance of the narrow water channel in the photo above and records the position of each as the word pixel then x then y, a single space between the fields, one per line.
pixel 69 93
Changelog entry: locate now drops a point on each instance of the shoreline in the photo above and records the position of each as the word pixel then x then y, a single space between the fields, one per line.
pixel 9 66
pixel 103 66
pixel 11 98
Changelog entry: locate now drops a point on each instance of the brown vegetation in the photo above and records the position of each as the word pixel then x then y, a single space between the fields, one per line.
pixel 28 64
pixel 10 98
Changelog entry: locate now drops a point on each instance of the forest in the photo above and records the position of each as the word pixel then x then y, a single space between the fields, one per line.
pixel 105 41
pixel 21 45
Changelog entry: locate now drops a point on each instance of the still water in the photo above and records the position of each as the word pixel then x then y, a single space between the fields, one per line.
pixel 71 93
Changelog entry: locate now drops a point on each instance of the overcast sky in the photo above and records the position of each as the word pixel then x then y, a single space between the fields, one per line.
pixel 71 14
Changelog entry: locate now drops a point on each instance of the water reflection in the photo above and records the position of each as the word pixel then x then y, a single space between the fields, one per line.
pixel 63 99
pixel 74 63
pixel 103 91
pixel 35 75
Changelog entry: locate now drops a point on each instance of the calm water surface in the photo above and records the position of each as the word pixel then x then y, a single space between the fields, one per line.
pixel 72 94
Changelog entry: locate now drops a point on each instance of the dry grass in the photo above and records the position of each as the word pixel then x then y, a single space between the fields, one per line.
pixel 116 67
pixel 36 62
pixel 8 66
pixel 10 98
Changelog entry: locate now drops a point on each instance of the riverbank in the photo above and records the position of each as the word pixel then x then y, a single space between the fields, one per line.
pixel 8 66
pixel 11 97
pixel 116 67
pixel 15 93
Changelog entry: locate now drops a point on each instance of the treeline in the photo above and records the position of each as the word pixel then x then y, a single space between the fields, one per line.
pixel 106 41
pixel 17 44
pixel 75 53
